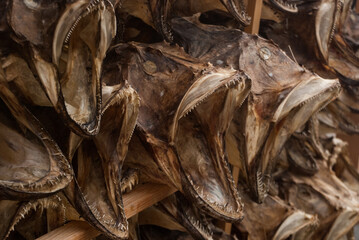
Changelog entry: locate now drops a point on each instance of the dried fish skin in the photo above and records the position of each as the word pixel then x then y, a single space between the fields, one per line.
pixel 72 82
pixel 119 120
pixel 301 157
pixel 319 195
pixel 140 157
pixel 183 85
pixel 33 21
pixel 280 100
pixel 88 194
pixel 14 213
pixel 182 215
pixel 274 219
pixel 34 171
pixel 350 31
pixel 80 88
pixel 328 43
pixel 19 75
pixel 99 200
pixel 157 13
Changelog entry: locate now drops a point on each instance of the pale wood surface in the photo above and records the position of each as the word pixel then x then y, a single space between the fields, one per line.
pixel 142 197
pixel 79 230
pixel 254 10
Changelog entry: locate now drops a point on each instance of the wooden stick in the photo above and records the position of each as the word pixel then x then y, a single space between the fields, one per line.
pixel 79 230
pixel 142 197
pixel 254 10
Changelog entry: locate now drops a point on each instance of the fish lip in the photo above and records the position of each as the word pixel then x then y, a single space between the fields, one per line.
pixel 88 125
pixel 86 211
pixel 45 186
pixel 242 16
pixel 193 221
pixel 283 6
pixel 215 210
pixel 262 175
pixel 211 209
pixel 112 220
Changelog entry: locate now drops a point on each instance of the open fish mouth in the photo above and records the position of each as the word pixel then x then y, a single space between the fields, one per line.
pixel 89 196
pixel 259 159
pixel 181 211
pixel 32 165
pixel 96 191
pixel 81 39
pixel 285 5
pixel 181 145
pixel 238 11
pixel 203 128
pixel 281 94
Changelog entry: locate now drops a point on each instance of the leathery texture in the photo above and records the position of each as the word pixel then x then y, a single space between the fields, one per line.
pixel 100 96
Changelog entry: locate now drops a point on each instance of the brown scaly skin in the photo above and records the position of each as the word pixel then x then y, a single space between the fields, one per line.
pixel 276 102
pixel 19 126
pixel 65 44
pixel 185 87
pixel 103 208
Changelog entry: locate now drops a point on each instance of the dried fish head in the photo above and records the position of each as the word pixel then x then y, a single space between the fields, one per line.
pixel 89 196
pixel 282 98
pixel 81 38
pixel 181 145
pixel 32 165
pixel 99 200
pixel 120 113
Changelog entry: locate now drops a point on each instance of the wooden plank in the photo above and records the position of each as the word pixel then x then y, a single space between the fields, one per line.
pixel 142 197
pixel 254 10
pixel 145 196
pixel 79 230
pixel 357 6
